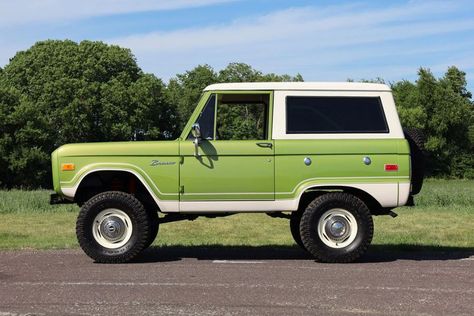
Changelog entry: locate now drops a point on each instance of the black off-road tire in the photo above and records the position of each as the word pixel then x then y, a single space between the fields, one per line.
pixel 313 215
pixel 295 221
pixel 416 140
pixel 153 228
pixel 124 202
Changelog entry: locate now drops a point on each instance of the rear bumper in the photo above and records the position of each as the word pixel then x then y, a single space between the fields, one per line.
pixel 58 199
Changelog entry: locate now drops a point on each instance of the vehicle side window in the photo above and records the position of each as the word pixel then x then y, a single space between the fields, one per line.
pixel 206 119
pixel 242 116
pixel 308 115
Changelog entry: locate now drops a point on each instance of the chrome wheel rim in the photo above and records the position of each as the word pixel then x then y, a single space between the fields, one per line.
pixel 337 228
pixel 112 228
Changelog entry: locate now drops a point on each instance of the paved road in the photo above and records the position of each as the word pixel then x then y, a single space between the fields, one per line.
pixel 236 280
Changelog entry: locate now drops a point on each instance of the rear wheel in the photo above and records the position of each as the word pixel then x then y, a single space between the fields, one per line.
pixel 112 227
pixel 336 227
pixel 295 221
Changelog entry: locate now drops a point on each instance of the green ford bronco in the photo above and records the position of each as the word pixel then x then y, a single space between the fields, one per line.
pixel 327 156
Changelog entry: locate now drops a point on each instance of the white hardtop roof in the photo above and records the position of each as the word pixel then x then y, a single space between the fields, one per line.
pixel 323 86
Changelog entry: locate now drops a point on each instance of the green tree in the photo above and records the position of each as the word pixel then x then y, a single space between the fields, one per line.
pixel 245 121
pixel 9 99
pixel 185 89
pixel 65 92
pixel 410 110
pixel 240 72
pixel 443 110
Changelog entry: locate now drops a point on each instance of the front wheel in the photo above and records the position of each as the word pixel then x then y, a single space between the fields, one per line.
pixel 336 227
pixel 153 227
pixel 113 227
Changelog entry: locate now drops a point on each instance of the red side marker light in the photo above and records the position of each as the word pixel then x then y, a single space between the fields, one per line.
pixel 391 167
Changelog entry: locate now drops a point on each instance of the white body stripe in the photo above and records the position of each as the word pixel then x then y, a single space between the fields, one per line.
pixel 387 194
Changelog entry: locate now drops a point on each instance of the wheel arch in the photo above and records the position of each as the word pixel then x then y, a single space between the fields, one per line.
pixel 310 193
pixel 100 180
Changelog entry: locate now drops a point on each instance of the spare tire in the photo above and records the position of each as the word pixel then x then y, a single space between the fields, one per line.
pixel 416 140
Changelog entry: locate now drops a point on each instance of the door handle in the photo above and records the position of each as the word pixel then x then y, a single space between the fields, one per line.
pixel 265 145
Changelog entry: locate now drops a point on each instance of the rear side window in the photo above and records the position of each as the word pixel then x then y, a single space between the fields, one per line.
pixel 312 115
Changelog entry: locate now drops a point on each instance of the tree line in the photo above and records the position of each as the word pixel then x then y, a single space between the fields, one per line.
pixel 59 92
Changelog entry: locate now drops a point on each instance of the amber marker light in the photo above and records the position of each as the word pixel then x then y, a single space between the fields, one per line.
pixel 68 167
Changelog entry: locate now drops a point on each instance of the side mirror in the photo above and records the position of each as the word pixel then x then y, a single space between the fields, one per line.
pixel 196 131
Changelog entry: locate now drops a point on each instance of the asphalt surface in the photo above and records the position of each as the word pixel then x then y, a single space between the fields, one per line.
pixel 237 281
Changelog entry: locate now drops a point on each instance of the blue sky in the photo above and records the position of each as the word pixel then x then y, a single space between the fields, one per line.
pixel 323 40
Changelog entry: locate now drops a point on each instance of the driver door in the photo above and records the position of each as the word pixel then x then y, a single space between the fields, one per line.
pixel 235 155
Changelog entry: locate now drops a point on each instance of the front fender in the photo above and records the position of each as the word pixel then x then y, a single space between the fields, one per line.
pixel 69 187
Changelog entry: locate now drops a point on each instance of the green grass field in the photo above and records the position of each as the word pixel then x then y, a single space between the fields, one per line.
pixel 443 217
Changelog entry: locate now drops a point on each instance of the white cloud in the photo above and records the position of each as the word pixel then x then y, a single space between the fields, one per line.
pixel 18 12
pixel 314 41
pixel 303 24
pixel 354 40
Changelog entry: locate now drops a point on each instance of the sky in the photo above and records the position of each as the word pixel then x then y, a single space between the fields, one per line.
pixel 322 40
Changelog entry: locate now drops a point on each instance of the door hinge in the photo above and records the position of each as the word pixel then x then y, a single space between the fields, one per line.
pixel 181 189
pixel 181 160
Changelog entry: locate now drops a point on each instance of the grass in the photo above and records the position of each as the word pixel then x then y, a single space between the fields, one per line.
pixel 443 217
